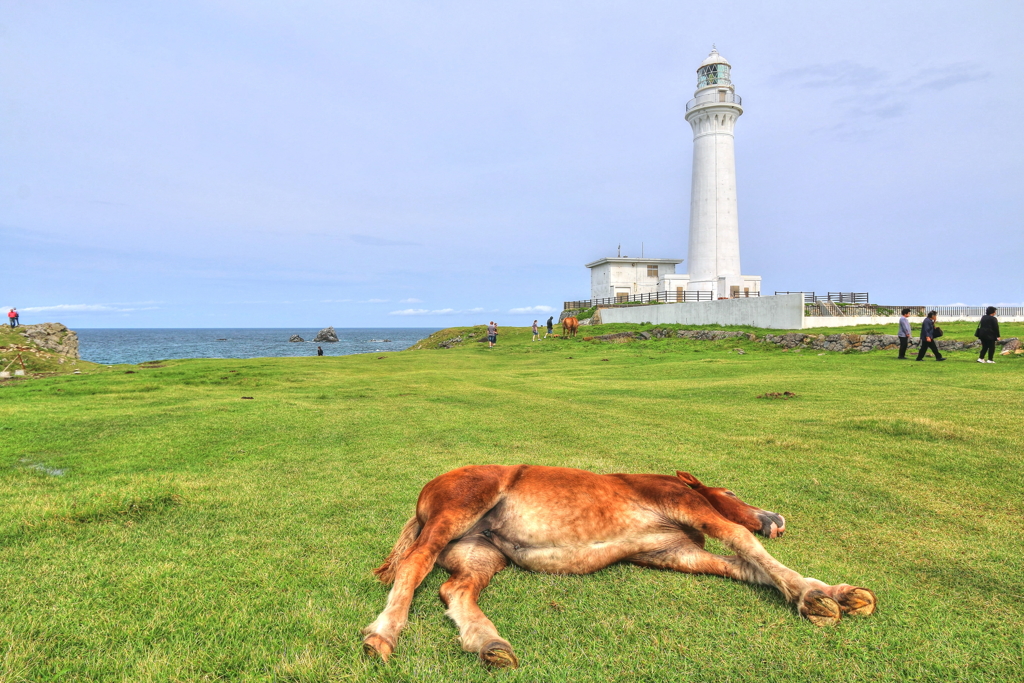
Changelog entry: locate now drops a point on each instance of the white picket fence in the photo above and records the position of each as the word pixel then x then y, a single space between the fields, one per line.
pixel 975 311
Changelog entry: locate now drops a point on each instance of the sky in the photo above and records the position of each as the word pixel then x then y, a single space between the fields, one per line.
pixel 224 163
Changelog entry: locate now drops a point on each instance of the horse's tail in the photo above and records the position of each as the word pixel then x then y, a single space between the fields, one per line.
pixel 386 572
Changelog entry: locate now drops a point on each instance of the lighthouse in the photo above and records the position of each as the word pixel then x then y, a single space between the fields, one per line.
pixel 714 245
pixel 714 258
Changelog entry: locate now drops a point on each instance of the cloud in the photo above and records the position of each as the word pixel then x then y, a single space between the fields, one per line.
pixel 411 301
pixel 87 308
pixel 835 75
pixel 436 311
pixel 376 301
pixel 381 242
pixel 531 309
pixel 870 93
pixel 942 78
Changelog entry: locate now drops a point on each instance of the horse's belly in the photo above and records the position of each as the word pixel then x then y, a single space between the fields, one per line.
pixel 583 558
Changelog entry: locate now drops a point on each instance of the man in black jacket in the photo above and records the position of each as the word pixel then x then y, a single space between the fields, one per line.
pixel 928 337
pixel 988 333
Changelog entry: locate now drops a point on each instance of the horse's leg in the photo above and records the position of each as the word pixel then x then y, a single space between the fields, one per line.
pixel 691 559
pixel 456 513
pixel 472 561
pixel 820 606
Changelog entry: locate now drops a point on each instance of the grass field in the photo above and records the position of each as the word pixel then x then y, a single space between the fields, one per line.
pixel 155 526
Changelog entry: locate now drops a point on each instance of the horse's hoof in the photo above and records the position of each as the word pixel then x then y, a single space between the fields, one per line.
pixel 858 601
pixel 499 655
pixel 376 645
pixel 820 609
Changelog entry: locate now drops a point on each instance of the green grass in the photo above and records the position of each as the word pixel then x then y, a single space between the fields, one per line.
pixel 154 526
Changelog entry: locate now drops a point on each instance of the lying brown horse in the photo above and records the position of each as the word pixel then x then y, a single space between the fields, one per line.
pixel 474 520
pixel 569 326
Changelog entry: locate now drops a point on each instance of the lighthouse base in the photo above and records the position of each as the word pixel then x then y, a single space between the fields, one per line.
pixel 724 287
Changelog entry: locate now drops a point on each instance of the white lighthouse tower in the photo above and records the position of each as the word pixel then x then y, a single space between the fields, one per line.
pixel 714 250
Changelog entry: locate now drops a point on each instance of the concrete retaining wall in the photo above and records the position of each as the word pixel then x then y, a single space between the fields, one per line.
pixel 850 321
pixel 783 312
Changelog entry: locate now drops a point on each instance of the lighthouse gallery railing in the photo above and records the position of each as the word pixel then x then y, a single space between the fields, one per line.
pixel 717 96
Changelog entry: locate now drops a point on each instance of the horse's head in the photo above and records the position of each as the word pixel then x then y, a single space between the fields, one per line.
pixel 769 524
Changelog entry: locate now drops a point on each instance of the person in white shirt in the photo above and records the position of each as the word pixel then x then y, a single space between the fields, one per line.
pixel 904 334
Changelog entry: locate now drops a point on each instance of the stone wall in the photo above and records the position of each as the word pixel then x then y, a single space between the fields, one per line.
pixel 52 337
pixel 841 343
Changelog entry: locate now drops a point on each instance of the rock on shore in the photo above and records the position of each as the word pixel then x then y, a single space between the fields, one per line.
pixel 326 335
pixel 52 337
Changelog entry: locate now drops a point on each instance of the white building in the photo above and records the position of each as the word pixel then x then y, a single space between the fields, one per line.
pixel 621 276
pixel 714 223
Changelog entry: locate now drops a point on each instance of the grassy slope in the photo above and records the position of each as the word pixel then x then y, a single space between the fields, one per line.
pixel 194 535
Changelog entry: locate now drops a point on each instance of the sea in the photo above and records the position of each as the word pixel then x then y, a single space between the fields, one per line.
pixel 113 346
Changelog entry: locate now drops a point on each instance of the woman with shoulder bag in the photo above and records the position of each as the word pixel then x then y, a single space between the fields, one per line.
pixel 988 333
pixel 929 333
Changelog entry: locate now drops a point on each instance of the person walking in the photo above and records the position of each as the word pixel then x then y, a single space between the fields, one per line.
pixel 988 333
pixel 536 332
pixel 904 334
pixel 492 335
pixel 551 326
pixel 319 350
pixel 928 337
pixel 12 317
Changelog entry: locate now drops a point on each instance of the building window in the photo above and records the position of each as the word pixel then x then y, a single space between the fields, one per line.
pixel 652 271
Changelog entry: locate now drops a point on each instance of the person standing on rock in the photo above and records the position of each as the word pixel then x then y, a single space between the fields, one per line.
pixel 988 333
pixel 492 335
pixel 904 334
pixel 12 317
pixel 536 332
pixel 319 350
pixel 928 337
pixel 551 326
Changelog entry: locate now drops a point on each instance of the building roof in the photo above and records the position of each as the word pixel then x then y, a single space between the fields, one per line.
pixel 715 58
pixel 633 259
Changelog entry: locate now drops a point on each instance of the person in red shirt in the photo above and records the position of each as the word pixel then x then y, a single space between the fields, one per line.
pixel 12 317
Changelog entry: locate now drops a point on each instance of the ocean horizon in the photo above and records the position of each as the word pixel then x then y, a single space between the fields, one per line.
pixel 112 346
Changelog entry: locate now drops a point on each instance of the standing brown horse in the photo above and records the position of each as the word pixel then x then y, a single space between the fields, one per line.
pixel 475 520
pixel 569 326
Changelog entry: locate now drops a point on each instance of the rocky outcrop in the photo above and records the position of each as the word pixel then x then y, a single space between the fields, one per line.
pixel 52 337
pixel 326 335
pixel 296 338
pixel 1011 345
pixel 449 343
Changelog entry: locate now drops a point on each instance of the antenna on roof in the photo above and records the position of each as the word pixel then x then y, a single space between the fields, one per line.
pixel 620 251
pixel 641 250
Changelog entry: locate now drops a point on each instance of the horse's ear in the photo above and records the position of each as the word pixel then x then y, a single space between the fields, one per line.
pixel 689 479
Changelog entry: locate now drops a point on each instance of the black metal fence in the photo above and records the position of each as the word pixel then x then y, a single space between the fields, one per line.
pixel 668 297
pixel 837 297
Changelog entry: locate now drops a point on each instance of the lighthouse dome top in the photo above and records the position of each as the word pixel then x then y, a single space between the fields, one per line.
pixel 715 58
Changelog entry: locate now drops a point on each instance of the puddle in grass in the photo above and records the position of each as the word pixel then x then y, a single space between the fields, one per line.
pixel 52 471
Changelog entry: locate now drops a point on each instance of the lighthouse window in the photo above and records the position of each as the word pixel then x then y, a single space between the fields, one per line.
pixel 712 74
